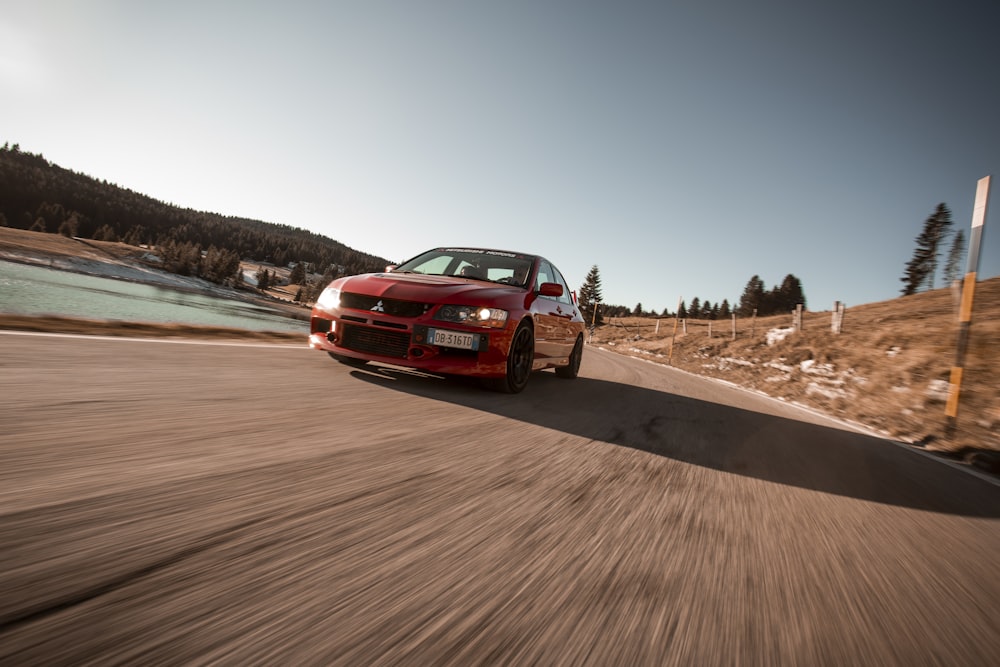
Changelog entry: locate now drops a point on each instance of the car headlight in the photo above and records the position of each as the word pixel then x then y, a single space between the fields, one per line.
pixel 329 299
pixel 481 316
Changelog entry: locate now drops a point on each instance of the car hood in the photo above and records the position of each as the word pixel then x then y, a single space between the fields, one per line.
pixel 428 289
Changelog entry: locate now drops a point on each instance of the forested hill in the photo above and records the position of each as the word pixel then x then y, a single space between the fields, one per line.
pixel 36 194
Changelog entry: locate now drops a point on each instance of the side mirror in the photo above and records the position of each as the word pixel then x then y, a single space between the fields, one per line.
pixel 551 289
pixel 389 268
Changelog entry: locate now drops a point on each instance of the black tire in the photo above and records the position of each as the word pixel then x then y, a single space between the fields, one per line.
pixel 575 357
pixel 520 357
pixel 348 361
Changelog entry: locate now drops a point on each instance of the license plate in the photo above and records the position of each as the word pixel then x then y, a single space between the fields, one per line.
pixel 462 341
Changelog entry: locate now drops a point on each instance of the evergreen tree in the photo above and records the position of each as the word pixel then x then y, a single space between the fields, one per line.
pixel 953 268
pixel 787 296
pixel 753 297
pixel 105 233
pixel 298 274
pixel 682 311
pixel 921 267
pixel 637 311
pixel 724 310
pixel 590 297
pixel 694 310
pixel 263 278
pixel 68 228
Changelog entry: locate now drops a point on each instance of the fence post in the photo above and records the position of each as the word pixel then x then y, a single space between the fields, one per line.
pixel 710 328
pixel 753 324
pixel 797 318
pixel 734 326
pixel 837 323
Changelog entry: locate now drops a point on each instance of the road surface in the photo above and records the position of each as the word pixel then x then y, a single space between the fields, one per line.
pixel 198 503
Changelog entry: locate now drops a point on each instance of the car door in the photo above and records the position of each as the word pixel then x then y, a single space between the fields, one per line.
pixel 567 313
pixel 550 324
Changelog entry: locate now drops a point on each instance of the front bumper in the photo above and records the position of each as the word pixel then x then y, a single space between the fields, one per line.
pixel 403 342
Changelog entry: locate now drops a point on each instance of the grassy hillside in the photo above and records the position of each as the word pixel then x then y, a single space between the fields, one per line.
pixel 888 369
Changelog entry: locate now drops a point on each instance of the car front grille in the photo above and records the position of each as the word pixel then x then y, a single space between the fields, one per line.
pixel 394 307
pixel 375 341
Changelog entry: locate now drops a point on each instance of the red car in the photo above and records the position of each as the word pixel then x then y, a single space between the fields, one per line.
pixel 491 314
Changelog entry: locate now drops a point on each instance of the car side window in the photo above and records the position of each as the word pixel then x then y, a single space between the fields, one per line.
pixel 544 274
pixel 548 274
pixel 566 297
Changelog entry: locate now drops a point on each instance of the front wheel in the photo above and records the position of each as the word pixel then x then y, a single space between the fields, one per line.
pixel 520 358
pixel 572 369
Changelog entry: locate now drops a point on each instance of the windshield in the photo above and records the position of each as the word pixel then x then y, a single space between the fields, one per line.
pixel 497 266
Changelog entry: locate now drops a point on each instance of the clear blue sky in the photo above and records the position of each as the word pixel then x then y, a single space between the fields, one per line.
pixel 680 146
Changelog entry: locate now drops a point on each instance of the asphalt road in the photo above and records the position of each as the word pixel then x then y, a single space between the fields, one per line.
pixel 170 503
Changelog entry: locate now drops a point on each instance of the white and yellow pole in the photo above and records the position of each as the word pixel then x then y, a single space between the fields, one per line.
pixel 965 312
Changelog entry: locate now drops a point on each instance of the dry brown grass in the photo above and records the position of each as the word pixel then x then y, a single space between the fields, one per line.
pixel 884 370
pixel 59 245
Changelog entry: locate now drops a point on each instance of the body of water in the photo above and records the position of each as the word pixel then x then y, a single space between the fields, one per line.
pixel 37 290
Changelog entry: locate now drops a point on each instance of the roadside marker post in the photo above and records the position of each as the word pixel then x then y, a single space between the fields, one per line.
pixel 673 336
pixel 965 311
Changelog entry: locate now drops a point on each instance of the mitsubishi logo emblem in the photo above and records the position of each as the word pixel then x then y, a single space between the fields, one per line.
pixel 378 307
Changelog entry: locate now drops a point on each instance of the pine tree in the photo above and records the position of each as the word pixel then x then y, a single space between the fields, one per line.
pixel 263 278
pixel 590 297
pixel 694 310
pixel 682 311
pixel 637 311
pixel 298 274
pixel 786 297
pixel 920 269
pixel 752 298
pixel 953 268
pixel 724 310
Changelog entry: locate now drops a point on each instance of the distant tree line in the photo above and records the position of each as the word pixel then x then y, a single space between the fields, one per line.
pixel 756 298
pixel 40 196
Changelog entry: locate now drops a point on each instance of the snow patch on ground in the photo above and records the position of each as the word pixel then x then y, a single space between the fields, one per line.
pixel 726 363
pixel 810 367
pixel 779 334
pixel 778 365
pixel 937 390
pixel 826 390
